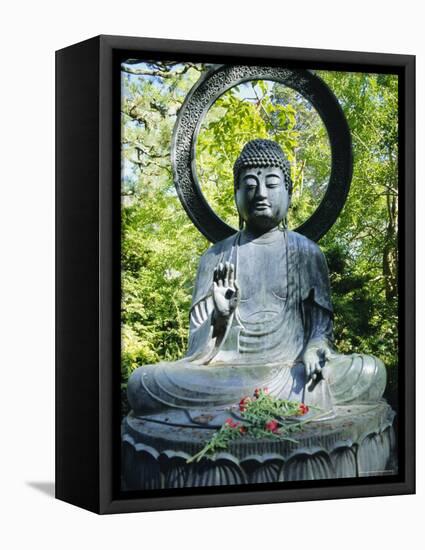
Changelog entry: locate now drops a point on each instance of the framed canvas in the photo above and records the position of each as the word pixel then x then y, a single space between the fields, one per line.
pixel 235 274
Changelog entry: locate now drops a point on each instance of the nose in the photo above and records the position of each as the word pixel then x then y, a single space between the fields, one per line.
pixel 261 189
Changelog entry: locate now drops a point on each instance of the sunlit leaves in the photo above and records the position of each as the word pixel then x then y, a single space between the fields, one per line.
pixel 257 110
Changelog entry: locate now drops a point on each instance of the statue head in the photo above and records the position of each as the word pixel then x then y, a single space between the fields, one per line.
pixel 263 184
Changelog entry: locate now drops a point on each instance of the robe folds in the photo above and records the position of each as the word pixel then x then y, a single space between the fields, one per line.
pixel 284 306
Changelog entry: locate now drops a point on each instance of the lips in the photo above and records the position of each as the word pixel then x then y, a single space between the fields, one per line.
pixel 261 206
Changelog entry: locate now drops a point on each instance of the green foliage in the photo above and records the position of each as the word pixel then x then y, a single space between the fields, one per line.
pixel 161 248
pixel 265 110
pixel 362 246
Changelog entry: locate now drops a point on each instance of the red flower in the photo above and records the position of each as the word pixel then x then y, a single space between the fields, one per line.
pixel 303 409
pixel 243 429
pixel 243 403
pixel 231 423
pixel 272 426
pixel 258 391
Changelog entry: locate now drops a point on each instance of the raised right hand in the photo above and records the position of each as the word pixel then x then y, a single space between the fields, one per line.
pixel 225 290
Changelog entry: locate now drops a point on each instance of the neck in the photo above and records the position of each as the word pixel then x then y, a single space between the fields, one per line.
pixel 261 237
pixel 257 232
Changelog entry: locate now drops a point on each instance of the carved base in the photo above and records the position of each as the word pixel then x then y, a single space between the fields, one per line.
pixel 359 442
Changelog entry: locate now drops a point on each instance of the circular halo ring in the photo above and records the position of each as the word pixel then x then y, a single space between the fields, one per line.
pixel 206 91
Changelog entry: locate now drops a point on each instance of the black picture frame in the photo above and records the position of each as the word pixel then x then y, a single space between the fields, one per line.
pixel 88 273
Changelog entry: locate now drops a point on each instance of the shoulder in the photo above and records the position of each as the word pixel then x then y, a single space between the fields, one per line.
pixel 218 249
pixel 304 244
pixel 216 253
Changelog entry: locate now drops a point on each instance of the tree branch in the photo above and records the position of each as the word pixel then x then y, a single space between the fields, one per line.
pixel 159 73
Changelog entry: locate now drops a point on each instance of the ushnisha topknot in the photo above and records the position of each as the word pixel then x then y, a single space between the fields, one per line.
pixel 260 153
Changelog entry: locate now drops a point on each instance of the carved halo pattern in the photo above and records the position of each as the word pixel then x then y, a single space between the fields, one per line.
pixel 206 91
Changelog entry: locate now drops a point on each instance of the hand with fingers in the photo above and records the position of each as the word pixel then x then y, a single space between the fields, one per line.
pixel 314 358
pixel 225 290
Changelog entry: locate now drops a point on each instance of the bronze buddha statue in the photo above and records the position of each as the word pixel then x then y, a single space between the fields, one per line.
pixel 261 315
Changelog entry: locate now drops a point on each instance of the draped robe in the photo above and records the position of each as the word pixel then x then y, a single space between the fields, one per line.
pixel 284 306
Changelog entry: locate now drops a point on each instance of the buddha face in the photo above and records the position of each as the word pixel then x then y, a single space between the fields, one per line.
pixel 261 197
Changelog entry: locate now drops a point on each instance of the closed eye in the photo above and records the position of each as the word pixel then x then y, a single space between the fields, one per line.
pixel 251 182
pixel 273 180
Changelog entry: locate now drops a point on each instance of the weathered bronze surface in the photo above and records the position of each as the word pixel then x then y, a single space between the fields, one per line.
pixel 358 442
pixel 261 315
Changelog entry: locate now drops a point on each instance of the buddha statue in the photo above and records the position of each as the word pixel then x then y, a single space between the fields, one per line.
pixel 261 316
